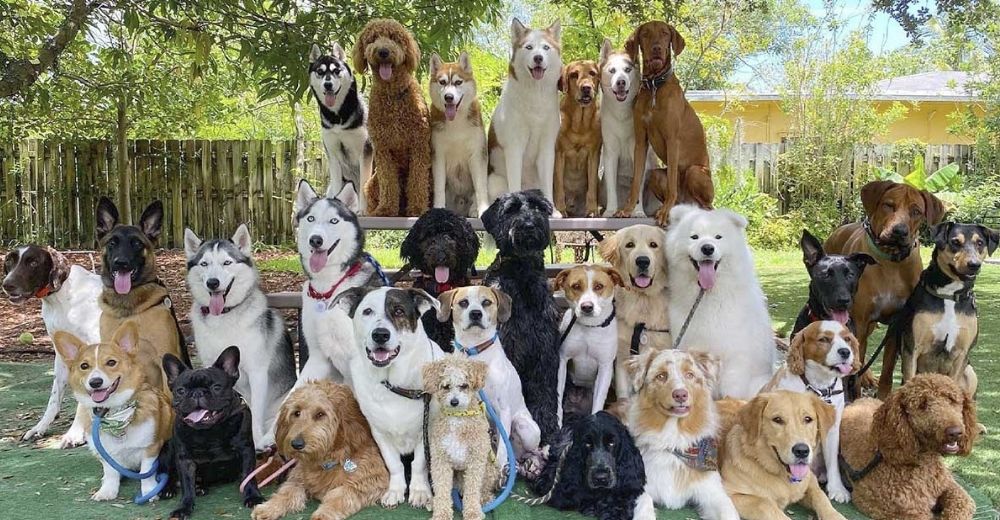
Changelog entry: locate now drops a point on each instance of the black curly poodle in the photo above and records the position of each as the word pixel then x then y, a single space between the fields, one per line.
pixel 601 473
pixel 443 246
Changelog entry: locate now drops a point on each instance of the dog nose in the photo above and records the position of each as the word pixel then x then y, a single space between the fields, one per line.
pixel 680 395
pixel 974 266
pixel 383 53
pixel 587 308
pixel 707 249
pixel 316 241
pixel 642 262
pixel 8 287
pixel 96 382
pixel 120 265
pixel 298 443
pixel 448 98
pixel 381 335
pixel 900 230
pixel 212 284
pixel 454 401
pixel 586 89
pixel 844 301
pixel 844 353
pixel 476 315
pixel 620 83
pixel 800 450
pixel 953 433
pixel 600 476
pixel 538 59
pixel 328 85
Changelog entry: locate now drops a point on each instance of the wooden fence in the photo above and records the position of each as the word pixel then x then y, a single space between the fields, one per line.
pixel 49 188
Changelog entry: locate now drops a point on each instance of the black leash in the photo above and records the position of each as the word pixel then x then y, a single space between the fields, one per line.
pixel 403 271
pixel 687 321
pixel 856 475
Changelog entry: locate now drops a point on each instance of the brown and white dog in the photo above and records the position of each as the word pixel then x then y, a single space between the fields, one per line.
pixel 578 148
pixel 819 358
pixel 122 380
pixel 458 142
pixel 590 330
pixel 675 424
pixel 643 321
pixel 894 214
pixel 767 454
pixel 665 120
pixel 397 123
pixel 69 297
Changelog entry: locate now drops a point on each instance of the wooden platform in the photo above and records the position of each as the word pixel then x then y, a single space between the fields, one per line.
pixel 556 224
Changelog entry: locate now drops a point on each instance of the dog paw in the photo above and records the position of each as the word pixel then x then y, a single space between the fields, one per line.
pixel 34 434
pixel 838 494
pixel 200 490
pixel 556 213
pixel 73 438
pixel 420 498
pixel 183 513
pixel 252 497
pixel 168 492
pixel 265 512
pixel 531 465
pixel 105 493
pixel 473 513
pixel 393 497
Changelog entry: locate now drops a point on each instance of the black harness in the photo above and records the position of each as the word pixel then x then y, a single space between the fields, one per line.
pixel 572 322
pixel 856 475
pixel 826 394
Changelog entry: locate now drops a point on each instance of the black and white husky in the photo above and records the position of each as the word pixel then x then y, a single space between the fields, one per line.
pixel 344 118
pixel 229 308
pixel 331 248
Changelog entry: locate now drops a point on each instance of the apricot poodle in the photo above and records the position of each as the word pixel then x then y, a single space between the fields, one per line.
pixel 398 121
pixel 339 464
pixel 894 450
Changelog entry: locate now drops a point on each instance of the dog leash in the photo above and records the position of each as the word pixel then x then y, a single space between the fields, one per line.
pixel 687 321
pixel 161 478
pixel 270 478
pixel 555 482
pixel 511 461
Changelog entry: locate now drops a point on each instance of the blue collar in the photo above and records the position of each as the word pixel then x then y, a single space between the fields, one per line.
pixel 477 349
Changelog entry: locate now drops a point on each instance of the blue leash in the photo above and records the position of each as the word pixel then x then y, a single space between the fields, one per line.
pixel 378 268
pixel 511 461
pixel 161 478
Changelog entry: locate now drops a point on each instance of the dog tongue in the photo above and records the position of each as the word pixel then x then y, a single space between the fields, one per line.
pixel 385 71
pixel 380 355
pixel 450 111
pixel 841 316
pixel 123 282
pixel 442 273
pixel 317 261
pixel 798 471
pixel 328 100
pixel 99 396
pixel 845 368
pixel 706 274
pixel 642 281
pixel 216 303
pixel 196 416
pixel 537 73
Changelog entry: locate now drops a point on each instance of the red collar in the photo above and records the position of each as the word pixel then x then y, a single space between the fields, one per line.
pixel 316 295
pixel 43 292
pixel 444 287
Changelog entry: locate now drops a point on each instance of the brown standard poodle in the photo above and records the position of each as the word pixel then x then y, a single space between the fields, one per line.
pixel 894 450
pixel 398 121
pixel 321 426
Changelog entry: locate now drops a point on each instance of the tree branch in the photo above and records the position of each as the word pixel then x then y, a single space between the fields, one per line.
pixel 19 74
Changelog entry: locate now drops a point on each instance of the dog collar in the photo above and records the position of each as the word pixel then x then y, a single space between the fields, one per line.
pixel 468 412
pixel 826 394
pixel 408 393
pixel 43 292
pixel 117 420
pixel 573 319
pixel 881 254
pixel 639 336
pixel 316 295
pixel 655 82
pixel 349 465
pixel 955 297
pixel 703 455
pixel 477 349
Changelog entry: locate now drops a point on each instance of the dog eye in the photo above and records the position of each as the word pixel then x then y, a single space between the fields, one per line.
pixel 111 363
pixel 593 73
pixel 689 375
pixel 598 287
pixel 778 420
pixel 808 419
pixel 612 71
pixel 653 245
pixel 628 69
pixel 546 47
pixel 825 339
pixel 889 206
pixel 956 242
pixel 577 287
pixel 458 83
pixel 445 387
pixel 573 75
pixel 463 304
pixel 181 391
pixel 463 386
pixel 216 388
pixel 487 303
pixel 529 46
pixel 227 262
pixel 319 415
pixel 915 212
pixel 630 245
pixel 84 366
pixel 113 242
pixel 203 264
pixel 398 312
pixel 694 237
pixel 335 220
pixel 718 237
pixel 588 445
pixel 297 413
pixel 662 376
pixel 442 82
pixel 367 312
pixel 310 218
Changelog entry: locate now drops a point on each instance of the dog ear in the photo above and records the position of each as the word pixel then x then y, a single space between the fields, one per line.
pixel 933 207
pixel 314 53
pixel 709 364
pixel 562 82
pixel 127 336
pixel 67 345
pixel 856 348
pixel 504 305
pixel 349 299
pixel 609 249
pixel 490 216
pixel 678 212
pixel 992 237
pixel 305 196
pixel 812 249
pixel 338 52
pixel 606 50
pixel 229 362
pixel 940 233
pixel 555 30
pixel 435 64
pixel 444 311
pixel 151 221
pixel 871 193
pixel 796 358
pixel 826 415
pixel 752 414
pixel 172 367
pixel 191 243
pixel 465 62
pixel 970 423
pixel 60 269
pixel 424 301
pixel 738 220
pixel 477 374
pixel 560 278
pixel 538 197
pixel 431 376
pixel 358 53
pixel 516 30
pixel 638 366
pixel 632 45
pixel 243 240
pixel 410 50
pixel 284 422
pixel 892 433
pixel 677 42
pixel 348 196
pixel 615 275
pixel 861 260
pixel 107 217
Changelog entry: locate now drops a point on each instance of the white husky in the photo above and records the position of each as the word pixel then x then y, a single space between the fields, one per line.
pixel 344 118
pixel 229 308
pixel 525 124
pixel 619 86
pixel 458 143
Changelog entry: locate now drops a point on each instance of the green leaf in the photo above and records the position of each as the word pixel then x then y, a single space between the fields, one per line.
pixel 945 179
pixel 916 178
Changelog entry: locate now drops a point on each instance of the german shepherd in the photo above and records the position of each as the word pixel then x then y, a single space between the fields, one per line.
pixel 132 289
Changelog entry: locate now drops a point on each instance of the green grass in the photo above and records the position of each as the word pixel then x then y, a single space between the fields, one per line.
pixel 43 482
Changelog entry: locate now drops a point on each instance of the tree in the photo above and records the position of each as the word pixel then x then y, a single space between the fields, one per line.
pixel 912 15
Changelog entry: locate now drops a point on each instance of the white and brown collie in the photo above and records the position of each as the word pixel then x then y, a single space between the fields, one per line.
pixel 675 424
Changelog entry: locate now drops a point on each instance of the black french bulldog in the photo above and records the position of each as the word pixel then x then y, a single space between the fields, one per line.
pixel 213 440
pixel 833 281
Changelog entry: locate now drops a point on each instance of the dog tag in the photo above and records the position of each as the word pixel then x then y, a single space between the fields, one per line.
pixel 320 307
pixel 350 466
pixel 643 338
pixel 167 302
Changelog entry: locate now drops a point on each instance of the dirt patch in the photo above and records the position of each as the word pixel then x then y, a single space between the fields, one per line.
pixel 15 320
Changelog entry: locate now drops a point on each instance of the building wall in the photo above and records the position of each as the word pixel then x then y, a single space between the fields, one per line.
pixel 765 122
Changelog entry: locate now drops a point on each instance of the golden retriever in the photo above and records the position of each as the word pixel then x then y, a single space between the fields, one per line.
pixel 767 452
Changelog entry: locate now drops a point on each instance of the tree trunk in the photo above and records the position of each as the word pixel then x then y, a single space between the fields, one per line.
pixel 122 166
pixel 300 142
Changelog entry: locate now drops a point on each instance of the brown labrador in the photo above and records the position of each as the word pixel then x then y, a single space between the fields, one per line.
pixel 578 148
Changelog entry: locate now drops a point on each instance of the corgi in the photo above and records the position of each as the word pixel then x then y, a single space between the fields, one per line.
pixel 458 140
pixel 121 380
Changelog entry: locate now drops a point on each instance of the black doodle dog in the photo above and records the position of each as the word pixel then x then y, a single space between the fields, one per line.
pixel 443 246
pixel 833 282
pixel 519 223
